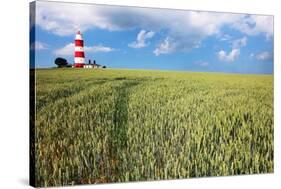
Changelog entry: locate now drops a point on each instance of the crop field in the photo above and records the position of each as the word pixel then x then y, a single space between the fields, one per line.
pixel 110 125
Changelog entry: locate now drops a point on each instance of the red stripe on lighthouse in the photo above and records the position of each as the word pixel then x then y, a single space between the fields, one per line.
pixel 79 43
pixel 79 54
pixel 77 65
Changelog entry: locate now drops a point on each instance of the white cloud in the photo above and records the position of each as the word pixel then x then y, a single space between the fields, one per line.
pixel 98 48
pixel 202 63
pixel 68 49
pixel 228 57
pixel 141 39
pixel 238 43
pixel 252 55
pixel 37 45
pixel 264 56
pixel 235 51
pixel 65 18
pixel 255 25
pixel 166 47
pixel 187 29
pixel 224 37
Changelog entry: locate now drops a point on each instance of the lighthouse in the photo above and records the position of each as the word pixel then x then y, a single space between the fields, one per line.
pixel 79 55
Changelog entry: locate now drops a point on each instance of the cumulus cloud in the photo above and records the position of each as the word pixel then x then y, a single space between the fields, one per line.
pixel 166 47
pixel 68 49
pixel 37 45
pixel 238 43
pixel 224 37
pixel 202 63
pixel 255 25
pixel 252 55
pixel 141 39
pixel 98 48
pixel 228 57
pixel 264 56
pixel 185 29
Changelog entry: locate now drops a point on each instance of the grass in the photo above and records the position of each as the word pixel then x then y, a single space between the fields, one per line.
pixel 100 126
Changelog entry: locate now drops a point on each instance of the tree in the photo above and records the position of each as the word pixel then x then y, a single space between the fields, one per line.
pixel 61 62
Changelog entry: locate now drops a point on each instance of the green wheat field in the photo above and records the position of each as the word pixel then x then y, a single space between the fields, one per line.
pixel 113 125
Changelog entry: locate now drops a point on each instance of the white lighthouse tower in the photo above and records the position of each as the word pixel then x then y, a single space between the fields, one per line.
pixel 79 55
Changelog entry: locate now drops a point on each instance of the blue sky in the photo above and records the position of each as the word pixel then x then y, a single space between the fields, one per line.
pixel 141 38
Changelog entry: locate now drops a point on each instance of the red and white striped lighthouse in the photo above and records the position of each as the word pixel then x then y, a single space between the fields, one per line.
pixel 79 55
